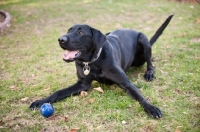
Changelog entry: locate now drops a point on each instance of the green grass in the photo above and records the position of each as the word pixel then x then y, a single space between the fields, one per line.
pixel 31 66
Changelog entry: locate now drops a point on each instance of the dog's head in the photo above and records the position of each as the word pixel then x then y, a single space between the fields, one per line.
pixel 81 42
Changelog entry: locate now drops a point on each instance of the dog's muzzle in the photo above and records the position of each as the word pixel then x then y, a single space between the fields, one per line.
pixel 62 40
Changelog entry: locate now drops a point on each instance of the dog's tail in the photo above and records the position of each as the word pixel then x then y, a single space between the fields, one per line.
pixel 160 30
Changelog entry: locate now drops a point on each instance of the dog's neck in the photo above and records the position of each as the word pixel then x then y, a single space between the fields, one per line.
pixel 94 59
pixel 86 67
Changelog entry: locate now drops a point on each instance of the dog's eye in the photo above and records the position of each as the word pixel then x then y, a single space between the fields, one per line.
pixel 80 32
pixel 69 30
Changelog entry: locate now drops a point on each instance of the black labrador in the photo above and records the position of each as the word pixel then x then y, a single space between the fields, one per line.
pixel 105 58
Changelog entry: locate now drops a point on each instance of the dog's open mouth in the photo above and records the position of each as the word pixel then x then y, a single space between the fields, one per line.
pixel 71 55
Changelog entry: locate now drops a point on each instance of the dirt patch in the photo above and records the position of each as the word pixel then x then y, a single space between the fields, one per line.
pixel 195 40
pixel 187 1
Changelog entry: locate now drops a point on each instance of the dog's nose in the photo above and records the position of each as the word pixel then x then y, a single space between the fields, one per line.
pixel 62 39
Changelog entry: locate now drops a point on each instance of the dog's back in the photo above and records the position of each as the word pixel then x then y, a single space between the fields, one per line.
pixel 124 44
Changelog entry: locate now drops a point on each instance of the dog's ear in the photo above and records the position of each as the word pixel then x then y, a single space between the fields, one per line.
pixel 98 41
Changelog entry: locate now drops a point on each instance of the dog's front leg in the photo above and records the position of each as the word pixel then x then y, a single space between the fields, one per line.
pixel 119 77
pixel 134 93
pixel 61 94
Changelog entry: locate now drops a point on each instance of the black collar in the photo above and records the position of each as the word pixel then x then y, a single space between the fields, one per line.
pixel 86 68
pixel 93 60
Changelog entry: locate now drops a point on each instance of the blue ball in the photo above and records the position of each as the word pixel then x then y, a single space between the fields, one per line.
pixel 47 110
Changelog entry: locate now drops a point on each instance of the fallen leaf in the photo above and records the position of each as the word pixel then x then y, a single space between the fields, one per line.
pixel 2 127
pixel 8 25
pixel 3 66
pixel 17 127
pixel 33 75
pixel 91 100
pixel 198 20
pixel 164 60
pixel 66 118
pixel 1 122
pixel 46 89
pixel 99 89
pixel 74 130
pixel 185 113
pixel 178 129
pixel 24 99
pixel 13 87
pixel 53 117
pixel 183 34
pixel 84 94
pixel 118 25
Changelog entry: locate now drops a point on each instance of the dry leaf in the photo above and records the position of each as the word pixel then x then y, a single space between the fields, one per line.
pixel 46 89
pixel 1 122
pixel 178 129
pixel 91 100
pixel 53 117
pixel 13 87
pixel 24 99
pixel 33 75
pixel 185 113
pixel 74 130
pixel 83 93
pixel 164 60
pixel 183 34
pixel 66 118
pixel 118 25
pixel 99 89
pixel 198 20
pixel 3 66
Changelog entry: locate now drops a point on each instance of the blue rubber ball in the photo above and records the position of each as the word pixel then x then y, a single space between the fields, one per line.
pixel 47 110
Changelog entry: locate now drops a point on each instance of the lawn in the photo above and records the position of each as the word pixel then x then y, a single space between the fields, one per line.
pixel 31 67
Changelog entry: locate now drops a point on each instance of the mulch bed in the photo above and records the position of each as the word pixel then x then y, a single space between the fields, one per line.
pixel 5 20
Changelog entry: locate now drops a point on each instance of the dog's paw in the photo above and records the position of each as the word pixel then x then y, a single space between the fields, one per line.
pixel 149 75
pixel 153 111
pixel 37 104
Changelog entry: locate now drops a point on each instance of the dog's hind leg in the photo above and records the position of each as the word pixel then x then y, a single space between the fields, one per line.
pixel 146 56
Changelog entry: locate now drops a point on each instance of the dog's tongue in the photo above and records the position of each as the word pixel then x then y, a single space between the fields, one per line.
pixel 69 55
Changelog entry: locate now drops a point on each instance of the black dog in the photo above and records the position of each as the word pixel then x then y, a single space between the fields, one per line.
pixel 105 58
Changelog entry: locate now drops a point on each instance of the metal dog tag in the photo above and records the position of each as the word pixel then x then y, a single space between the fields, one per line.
pixel 86 69
pixel 86 72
